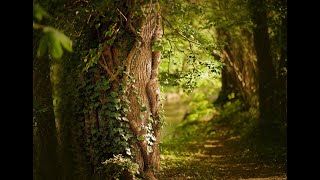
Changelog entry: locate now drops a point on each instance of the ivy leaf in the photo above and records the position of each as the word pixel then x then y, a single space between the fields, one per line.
pixel 140 138
pixel 143 109
pixel 113 94
pixel 116 115
pixel 125 119
pixel 153 138
pixel 125 110
pixel 128 151
pixel 129 135
pixel 118 106
pixel 120 130
pixel 116 100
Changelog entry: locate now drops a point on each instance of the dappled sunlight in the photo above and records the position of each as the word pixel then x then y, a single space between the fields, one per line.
pixel 206 158
pixel 212 145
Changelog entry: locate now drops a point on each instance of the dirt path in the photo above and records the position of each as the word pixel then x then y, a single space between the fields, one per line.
pixel 214 158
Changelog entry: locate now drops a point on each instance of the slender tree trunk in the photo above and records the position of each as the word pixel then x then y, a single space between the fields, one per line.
pixel 64 91
pixel 42 93
pixel 283 71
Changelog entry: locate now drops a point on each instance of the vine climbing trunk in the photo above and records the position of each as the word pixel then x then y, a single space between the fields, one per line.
pixel 129 65
pixel 144 70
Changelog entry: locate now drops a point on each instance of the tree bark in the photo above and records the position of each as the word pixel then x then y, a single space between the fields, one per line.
pixel 132 62
pixel 267 74
pixel 144 69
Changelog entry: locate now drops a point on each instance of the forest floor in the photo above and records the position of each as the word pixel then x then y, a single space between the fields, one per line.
pixel 217 157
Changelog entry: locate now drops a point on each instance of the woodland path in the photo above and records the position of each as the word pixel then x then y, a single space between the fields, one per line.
pixel 214 158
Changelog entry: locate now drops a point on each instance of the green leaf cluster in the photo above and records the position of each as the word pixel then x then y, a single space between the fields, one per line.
pixel 54 41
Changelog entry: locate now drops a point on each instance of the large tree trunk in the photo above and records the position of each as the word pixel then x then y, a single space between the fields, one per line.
pixel 143 68
pixel 46 128
pixel 130 65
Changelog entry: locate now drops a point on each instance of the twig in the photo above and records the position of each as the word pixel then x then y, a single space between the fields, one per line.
pixel 175 30
pixel 169 52
pixel 122 14
pixel 105 66
pixel 89 17
pixel 190 45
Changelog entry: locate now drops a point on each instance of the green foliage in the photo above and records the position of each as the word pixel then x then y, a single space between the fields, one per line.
pixel 39 12
pixel 187 46
pixel 201 102
pixel 52 40
pixel 118 165
pixel 113 135
pixel 92 57
pixel 157 46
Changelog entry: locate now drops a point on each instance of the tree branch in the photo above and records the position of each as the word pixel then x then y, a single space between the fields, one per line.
pixel 105 66
pixel 175 30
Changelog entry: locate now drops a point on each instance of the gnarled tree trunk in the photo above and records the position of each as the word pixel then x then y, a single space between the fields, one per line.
pixel 143 68
pixel 131 62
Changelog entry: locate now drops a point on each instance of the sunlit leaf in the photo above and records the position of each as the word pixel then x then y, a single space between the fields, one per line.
pixel 55 46
pixel 140 138
pixel 65 41
pixel 39 12
pixel 57 40
pixel 43 46
pixel 125 119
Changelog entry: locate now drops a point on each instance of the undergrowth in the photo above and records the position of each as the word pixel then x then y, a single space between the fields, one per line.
pixel 231 120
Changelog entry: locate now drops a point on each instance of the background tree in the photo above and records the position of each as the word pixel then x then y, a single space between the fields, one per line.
pixel 271 55
pixel 231 23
